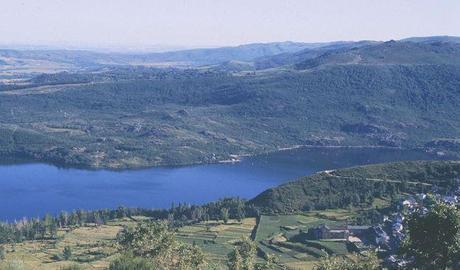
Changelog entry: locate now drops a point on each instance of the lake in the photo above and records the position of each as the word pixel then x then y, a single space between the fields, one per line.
pixel 36 189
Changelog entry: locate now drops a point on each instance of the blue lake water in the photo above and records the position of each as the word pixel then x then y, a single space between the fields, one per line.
pixel 36 189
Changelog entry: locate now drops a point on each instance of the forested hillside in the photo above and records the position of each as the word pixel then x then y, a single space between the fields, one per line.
pixel 387 53
pixel 399 94
pixel 355 186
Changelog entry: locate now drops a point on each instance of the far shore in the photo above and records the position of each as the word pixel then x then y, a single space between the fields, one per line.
pixel 233 158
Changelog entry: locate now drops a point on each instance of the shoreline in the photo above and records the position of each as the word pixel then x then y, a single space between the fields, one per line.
pixel 233 158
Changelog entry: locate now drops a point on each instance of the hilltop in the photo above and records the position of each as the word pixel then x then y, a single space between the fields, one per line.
pixel 452 39
pixel 390 53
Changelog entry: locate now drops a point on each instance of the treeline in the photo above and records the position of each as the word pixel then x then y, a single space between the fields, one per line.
pixel 116 73
pixel 113 74
pixel 47 227
pixel 182 214
pixel 224 209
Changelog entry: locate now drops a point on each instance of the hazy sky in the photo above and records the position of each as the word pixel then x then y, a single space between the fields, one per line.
pixel 221 22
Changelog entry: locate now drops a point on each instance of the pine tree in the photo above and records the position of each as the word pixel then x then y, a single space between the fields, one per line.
pixel 224 215
pixel 67 253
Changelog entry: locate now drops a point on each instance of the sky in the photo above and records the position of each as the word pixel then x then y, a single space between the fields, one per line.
pixel 200 23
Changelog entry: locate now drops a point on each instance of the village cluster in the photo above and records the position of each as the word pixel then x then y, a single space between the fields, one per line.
pixel 386 237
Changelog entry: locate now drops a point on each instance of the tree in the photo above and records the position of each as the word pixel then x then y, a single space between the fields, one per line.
pixel 2 253
pixel 240 214
pixel 67 253
pixel 148 240
pixel 190 257
pixel 235 261
pixel 368 262
pixel 155 242
pixel 243 255
pixel 433 239
pixel 49 226
pixel 98 220
pixel 224 215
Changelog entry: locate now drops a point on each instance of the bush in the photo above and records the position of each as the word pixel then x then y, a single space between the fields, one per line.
pixel 368 262
pixel 67 253
pixel 155 241
pixel 130 262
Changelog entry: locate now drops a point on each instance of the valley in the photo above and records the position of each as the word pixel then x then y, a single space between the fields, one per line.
pixel 229 135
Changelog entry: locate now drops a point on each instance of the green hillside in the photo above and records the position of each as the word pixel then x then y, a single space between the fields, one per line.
pixel 390 53
pixel 357 186
pixel 126 117
pixel 290 58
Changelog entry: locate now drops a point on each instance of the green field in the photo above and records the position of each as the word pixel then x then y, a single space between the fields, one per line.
pixel 279 235
pixel 94 247
pixel 217 239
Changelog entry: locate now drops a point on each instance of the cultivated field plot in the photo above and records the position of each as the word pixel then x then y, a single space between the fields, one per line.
pixel 217 239
pixel 279 235
pixel 92 248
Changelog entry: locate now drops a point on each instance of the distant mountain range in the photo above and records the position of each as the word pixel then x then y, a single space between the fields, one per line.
pixel 451 39
pixel 76 59
pixel 259 55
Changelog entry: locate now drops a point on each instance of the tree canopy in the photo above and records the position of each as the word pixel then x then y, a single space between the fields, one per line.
pixel 434 238
pixel 157 243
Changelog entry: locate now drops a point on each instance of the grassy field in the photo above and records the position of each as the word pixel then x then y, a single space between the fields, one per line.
pixel 279 235
pixel 94 247
pixel 217 239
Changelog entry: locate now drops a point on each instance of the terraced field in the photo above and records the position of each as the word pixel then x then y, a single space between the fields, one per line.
pixel 217 239
pixel 94 247
pixel 279 235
